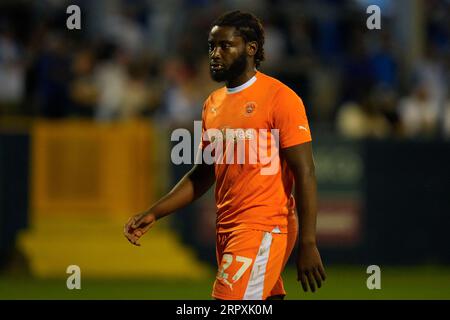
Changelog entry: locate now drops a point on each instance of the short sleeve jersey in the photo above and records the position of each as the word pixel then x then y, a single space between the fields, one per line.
pixel 264 115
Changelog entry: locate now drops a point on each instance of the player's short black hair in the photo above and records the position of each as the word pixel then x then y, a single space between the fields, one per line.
pixel 248 26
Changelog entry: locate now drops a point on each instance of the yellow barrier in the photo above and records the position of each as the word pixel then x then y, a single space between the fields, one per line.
pixel 87 178
pixel 81 166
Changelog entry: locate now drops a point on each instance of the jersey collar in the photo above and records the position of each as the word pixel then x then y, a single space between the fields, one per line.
pixel 243 86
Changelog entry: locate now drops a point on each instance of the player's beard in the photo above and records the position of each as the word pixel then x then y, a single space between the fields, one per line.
pixel 236 69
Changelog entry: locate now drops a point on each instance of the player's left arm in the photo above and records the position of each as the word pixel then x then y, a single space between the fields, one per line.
pixel 300 160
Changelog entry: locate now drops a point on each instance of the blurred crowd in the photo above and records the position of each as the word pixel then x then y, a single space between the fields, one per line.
pixel 148 59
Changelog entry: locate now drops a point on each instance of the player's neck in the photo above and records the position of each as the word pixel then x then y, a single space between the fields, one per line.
pixel 243 78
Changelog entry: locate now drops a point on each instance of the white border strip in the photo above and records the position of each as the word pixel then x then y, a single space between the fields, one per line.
pixel 242 86
pixel 255 286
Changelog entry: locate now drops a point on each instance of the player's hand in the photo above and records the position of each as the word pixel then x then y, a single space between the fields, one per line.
pixel 310 269
pixel 137 226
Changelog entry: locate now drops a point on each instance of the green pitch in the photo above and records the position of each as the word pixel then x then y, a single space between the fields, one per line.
pixel 344 282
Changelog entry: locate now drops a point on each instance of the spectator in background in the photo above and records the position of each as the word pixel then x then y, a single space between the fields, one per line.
pixel 430 71
pixel 316 47
pixel 53 77
pixel 299 40
pixel 181 103
pixel 121 26
pixel 110 77
pixel 358 71
pixel 139 98
pixel 385 100
pixel 276 42
pixel 12 73
pixel 362 118
pixel 83 91
pixel 419 112
pixel 384 64
pixel 33 49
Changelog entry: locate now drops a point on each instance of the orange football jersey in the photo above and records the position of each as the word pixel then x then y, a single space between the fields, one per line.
pixel 251 194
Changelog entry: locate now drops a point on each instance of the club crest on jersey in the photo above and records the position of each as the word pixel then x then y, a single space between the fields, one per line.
pixel 249 109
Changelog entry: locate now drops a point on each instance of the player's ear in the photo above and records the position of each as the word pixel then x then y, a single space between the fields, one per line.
pixel 252 48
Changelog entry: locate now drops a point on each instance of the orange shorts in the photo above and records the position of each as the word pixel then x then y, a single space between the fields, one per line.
pixel 251 262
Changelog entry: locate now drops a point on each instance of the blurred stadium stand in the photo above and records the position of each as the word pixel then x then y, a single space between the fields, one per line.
pixel 86 118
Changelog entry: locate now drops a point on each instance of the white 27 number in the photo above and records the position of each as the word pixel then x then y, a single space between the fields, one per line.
pixel 228 259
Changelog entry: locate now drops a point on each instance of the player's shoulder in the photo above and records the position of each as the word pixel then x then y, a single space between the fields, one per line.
pixel 216 95
pixel 275 87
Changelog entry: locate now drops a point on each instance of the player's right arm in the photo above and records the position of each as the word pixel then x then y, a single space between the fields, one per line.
pixel 191 187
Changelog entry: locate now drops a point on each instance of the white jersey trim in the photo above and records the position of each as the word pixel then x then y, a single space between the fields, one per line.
pixel 243 86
